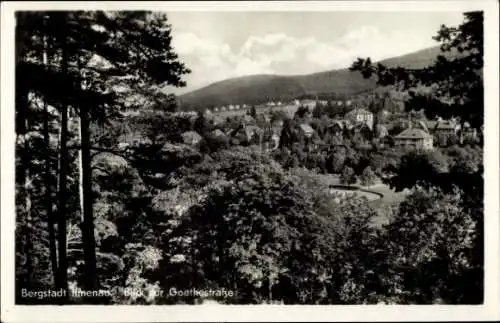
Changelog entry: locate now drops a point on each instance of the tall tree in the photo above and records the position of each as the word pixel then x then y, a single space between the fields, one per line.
pixel 48 171
pixel 22 104
pixel 94 71
pixel 288 133
pixel 32 124
pixel 149 62
pixel 62 277
pixel 455 79
pixel 201 125
pixel 252 112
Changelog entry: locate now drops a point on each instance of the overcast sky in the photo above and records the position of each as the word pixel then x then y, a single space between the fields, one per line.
pixel 220 45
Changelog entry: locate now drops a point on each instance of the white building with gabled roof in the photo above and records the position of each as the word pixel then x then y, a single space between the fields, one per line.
pixel 359 115
pixel 414 138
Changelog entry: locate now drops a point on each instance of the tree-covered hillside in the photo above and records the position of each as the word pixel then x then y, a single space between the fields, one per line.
pixel 250 90
pixel 257 89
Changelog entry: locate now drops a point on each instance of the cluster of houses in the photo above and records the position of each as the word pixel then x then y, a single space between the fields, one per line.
pixel 228 108
pixel 417 135
pixel 266 132
pixel 427 134
pixel 288 107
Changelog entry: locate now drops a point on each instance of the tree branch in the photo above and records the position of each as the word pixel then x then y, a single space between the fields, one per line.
pixel 118 153
pixel 107 172
pixel 99 150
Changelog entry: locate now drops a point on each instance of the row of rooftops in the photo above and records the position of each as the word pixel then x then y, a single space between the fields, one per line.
pixel 413 133
pixel 277 104
pixel 451 126
pixel 192 137
pixel 421 131
pixel 250 130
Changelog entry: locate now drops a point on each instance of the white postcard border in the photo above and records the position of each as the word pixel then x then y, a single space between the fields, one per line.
pixel 117 313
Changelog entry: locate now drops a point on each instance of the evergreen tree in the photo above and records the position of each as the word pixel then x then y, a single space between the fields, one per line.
pixel 91 57
pixel 457 79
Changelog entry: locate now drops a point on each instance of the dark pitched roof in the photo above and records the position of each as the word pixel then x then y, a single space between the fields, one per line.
pixel 431 124
pixel 413 133
pixel 446 125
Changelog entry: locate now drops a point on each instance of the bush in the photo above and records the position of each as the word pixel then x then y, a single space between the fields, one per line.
pixel 368 177
pixel 348 176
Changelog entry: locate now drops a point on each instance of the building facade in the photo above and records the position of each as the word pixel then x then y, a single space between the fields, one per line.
pixel 414 139
pixel 446 127
pixel 359 115
pixel 311 104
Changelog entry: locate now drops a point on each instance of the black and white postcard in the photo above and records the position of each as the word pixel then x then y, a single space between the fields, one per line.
pixel 249 161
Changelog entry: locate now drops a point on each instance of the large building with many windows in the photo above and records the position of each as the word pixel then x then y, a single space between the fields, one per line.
pixel 359 115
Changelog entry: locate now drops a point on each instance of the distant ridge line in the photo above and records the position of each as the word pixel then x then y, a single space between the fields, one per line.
pixel 261 88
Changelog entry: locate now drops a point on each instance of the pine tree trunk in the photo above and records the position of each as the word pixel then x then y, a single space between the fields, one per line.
pixel 47 180
pixel 62 277
pixel 194 264
pixel 29 222
pixel 86 196
pixel 220 251
pixel 270 291
pixel 48 198
pixel 89 245
pixel 24 171
pixel 21 131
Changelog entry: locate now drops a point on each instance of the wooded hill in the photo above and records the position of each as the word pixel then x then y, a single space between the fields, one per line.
pixel 333 84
